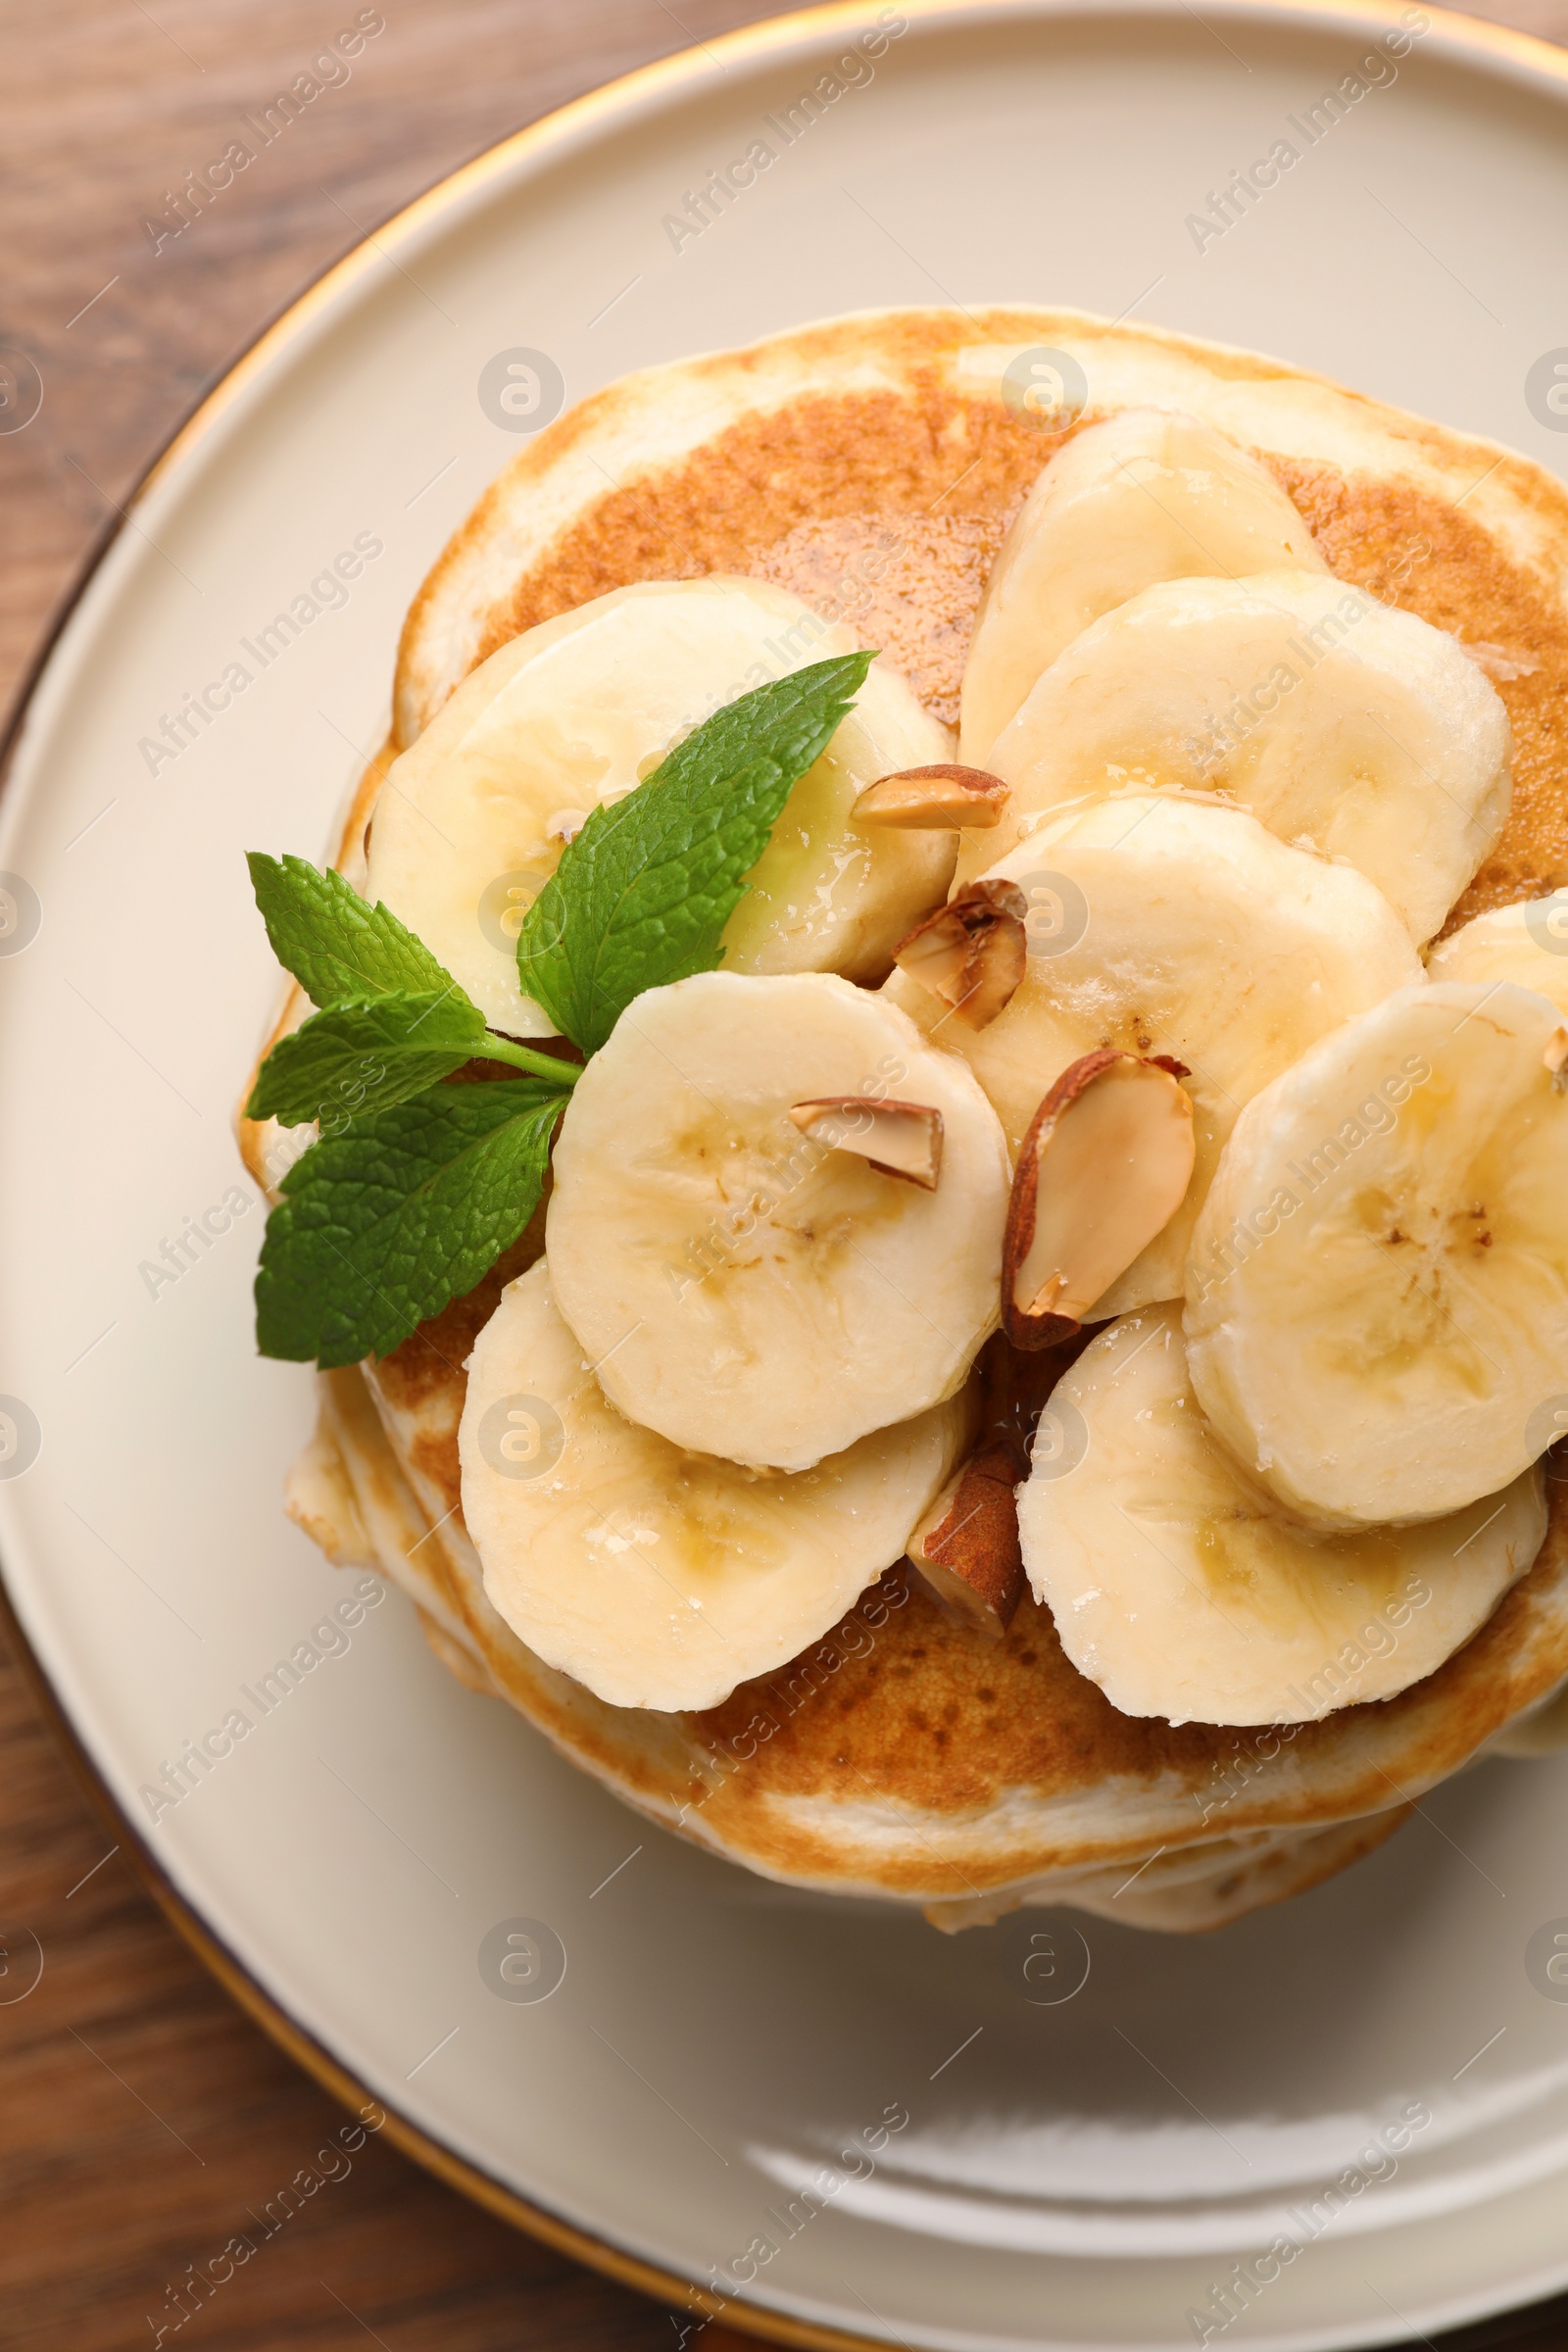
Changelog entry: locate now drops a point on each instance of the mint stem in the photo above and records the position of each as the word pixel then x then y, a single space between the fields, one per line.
pixel 524 1057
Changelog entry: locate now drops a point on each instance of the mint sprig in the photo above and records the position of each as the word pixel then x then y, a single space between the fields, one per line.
pixel 354 1059
pixel 348 956
pixel 340 949
pixel 640 896
pixel 385 1225
pixel 418 1185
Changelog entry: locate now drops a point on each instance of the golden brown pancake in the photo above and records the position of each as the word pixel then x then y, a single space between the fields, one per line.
pixel 872 465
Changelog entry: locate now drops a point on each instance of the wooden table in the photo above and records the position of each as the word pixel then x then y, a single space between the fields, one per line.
pixel 144 2116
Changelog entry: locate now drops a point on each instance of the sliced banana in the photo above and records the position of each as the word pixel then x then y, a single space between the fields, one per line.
pixel 1167 925
pixel 658 1578
pixel 1180 1585
pixel 738 1287
pixel 1148 495
pixel 473 818
pixel 1525 943
pixel 1377 1293
pixel 1343 725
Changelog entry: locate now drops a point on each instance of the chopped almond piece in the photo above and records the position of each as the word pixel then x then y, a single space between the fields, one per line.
pixel 901 1139
pixel 933 800
pixel 1104 1167
pixel 966 1546
pixel 971 953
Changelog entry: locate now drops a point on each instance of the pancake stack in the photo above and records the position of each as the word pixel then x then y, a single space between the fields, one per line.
pixel 866 474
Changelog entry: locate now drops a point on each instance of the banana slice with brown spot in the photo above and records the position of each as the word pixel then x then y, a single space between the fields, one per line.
pixel 1161 925
pixel 1148 495
pixel 471 820
pixel 1377 1290
pixel 742 1287
pixel 1345 727
pixel 1183 1588
pixel 657 1576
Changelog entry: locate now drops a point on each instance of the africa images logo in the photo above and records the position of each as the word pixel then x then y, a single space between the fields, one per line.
pixel 1244 188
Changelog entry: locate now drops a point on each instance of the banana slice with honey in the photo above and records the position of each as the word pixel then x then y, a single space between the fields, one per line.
pixel 472 820
pixel 1343 725
pixel 1377 1290
pixel 1157 925
pixel 1525 943
pixel 1183 1588
pixel 777 1216
pixel 657 1576
pixel 1148 495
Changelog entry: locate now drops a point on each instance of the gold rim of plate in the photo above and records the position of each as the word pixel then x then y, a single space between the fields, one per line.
pixel 567 126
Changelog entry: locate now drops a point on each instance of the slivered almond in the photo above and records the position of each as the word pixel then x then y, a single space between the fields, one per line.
pixel 1104 1164
pixel 1555 1058
pixel 901 1139
pixel 971 953
pixel 966 1546
pixel 933 798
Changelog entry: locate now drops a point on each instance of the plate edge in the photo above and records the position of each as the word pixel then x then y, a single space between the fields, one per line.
pixel 1527 54
pixel 333 2077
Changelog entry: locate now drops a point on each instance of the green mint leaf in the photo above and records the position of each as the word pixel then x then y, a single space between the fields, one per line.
pixel 387 1223
pixel 356 1059
pixel 340 950
pixel 642 895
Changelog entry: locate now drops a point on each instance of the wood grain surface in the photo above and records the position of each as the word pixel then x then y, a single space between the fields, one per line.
pixel 145 2118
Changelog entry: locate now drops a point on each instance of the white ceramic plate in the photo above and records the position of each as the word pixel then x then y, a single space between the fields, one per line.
pixel 1075 2172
